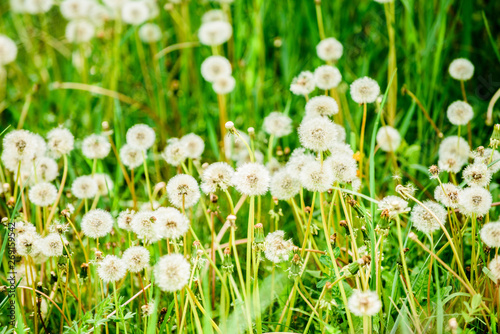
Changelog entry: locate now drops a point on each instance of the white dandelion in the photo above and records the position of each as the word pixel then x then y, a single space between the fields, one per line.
pixel 84 187
pixel 79 31
pixel 214 67
pixel 459 113
pixel 388 139
pixel 131 156
pixel 60 141
pixel 490 234
pixel 52 245
pixel 216 176
pixel 97 223
pixel 252 179
pixel 316 176
pixel 364 90
pixel 150 33
pixel 172 224
pixel 321 105
pixel 364 303
pixel 111 269
pixel 194 145
pixel 136 258
pixel 8 50
pixel 125 218
pixel 135 12
pixel 343 166
pixel 37 6
pixel 46 169
pixel 317 133
pixel 474 201
pixel 276 248
pixel 277 124
pixel 329 49
pixel 223 85
pixel 172 272
pixel 327 77
pixel 141 136
pixel 175 153
pixel 477 174
pixel 284 185
pixel 183 191
pixel 145 225
pixel 104 184
pixel 461 69
pixel 96 147
pixel 215 33
pixel 494 267
pixel 43 194
pixel 424 221
pixel 303 84
pixel 447 194
pixel 394 205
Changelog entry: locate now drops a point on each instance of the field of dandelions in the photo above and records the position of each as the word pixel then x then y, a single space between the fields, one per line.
pixel 294 166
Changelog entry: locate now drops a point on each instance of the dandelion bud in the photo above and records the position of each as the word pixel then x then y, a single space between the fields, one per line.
pixel 453 324
pixel 229 126
pixel 105 125
pixel 259 233
pixel 495 137
pixel 351 269
pixel 251 132
pixel 227 262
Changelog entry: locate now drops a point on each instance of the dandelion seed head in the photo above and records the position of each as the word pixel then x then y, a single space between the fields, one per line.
pixel 215 33
pixel 364 303
pixel 24 227
pixel 111 269
pixel 273 166
pixel 97 223
pixel 52 245
pixel 136 258
pixel 19 146
pixel 459 113
pixel 37 6
pixel 448 195
pixel 316 177
pixel 251 179
pixel 125 218
pixel 474 201
pixel 104 184
pixel 172 223
pixel 490 234
pixel 46 169
pixel 172 272
pixel 388 138
pixel 194 145
pixel 424 221
pixel 183 191
pixel 141 136
pixel 99 14
pixel 8 50
pixel 276 248
pixel 146 225
pixel 494 267
pixel 327 77
pixel 454 146
pixel 477 174
pixel 150 33
pixel 43 194
pixel 75 9
pixel 283 185
pixel 298 159
pixel 175 153
pixel 484 157
pixel 394 205
pixel 343 166
pixel 461 69
pixel 451 163
pixel 135 12
pixel 28 243
pixel 214 15
pixel 84 187
pixel 321 105
pixel 223 85
pixel 235 148
pixel 216 176
pixel 364 90
pixel 329 49
pixel 131 156
pixel 95 147
pixel 60 141
pixel 303 84
pixel 277 124
pixel 340 148
pixel 79 31
pixel 214 67
pixel 317 133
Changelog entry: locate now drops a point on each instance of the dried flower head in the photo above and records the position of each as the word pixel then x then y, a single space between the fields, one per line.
pixel 474 201
pixel 136 258
pixel 46 169
pixel 104 184
pixel 214 15
pixel 84 187
pixel 343 166
pixel 19 147
pixel 37 6
pixel 424 221
pixel 277 124
pixel 172 272
pixel 252 179
pixel 327 77
pixel 388 139
pixel 43 194
pixel 135 12
pixel 365 90
pixel 131 157
pixel 364 303
pixel 96 147
pixel 488 157
pixel 111 269
pixel 298 159
pixel 461 69
pixel 321 105
pixel 215 33
pixel 276 248
pixel 28 243
pixel 214 67
pixel 329 49
pixel 141 136
pixel 146 225
pixel 97 223
pixel 183 191
pixel 494 267
pixel 216 176
pixel 317 133
pixel 303 84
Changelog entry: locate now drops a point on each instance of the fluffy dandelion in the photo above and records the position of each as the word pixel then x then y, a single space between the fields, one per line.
pixel 52 245
pixel 136 258
pixel 183 191
pixel 474 201
pixel 175 153
pixel 317 133
pixel 215 33
pixel 8 50
pixel 125 218
pixel 104 184
pixel 214 15
pixel 388 139
pixel 46 169
pixel 43 194
pixel 321 106
pixel 477 174
pixel 364 303
pixel 145 225
pixel 135 12
pixel 448 195
pixel 150 33
pixel 327 77
pixel 79 31
pixel 28 243
pixel 276 248
pixel 131 156
pixel 19 147
pixel 340 148
pixel 141 136
pixel 112 269
pixel 75 9
pixel 459 113
pixel 60 141
pixel 252 179
pixel 393 205
pixel 223 85
pixel 298 159
pixel 494 267
pixel 172 272
pixel 84 187
pixel 303 84
pixel 454 146
pixel 96 147
pixel 235 148
pixel 424 221
pixel 277 124
pixel 488 157
pixel 490 234
pixel 451 163
pixel 461 69
pixel 172 223
pixel 214 67
pixel 216 176
pixel 37 6
pixel 273 166
pixel 365 90
pixel 343 166
pixel 97 223
pixel 284 185
pixel 194 145
pixel 329 49
pixel 316 177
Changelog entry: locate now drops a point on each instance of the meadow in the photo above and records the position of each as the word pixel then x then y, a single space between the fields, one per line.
pixel 249 166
